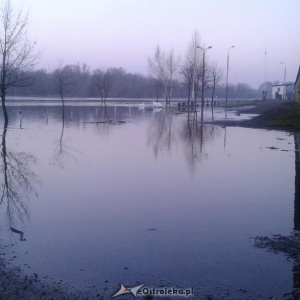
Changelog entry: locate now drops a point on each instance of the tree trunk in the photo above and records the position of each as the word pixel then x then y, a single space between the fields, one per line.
pixel 4 109
pixel 63 105
pixel 189 91
pixel 212 95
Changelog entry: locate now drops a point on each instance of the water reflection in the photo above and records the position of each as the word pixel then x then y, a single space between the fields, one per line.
pixel 106 116
pixel 192 135
pixel 103 113
pixel 164 135
pixel 20 119
pixel 62 152
pixel 103 116
pixel 17 183
pixel 195 134
pixel 160 134
pixel 191 227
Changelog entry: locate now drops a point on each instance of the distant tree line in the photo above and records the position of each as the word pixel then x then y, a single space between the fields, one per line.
pixel 116 83
pixel 169 77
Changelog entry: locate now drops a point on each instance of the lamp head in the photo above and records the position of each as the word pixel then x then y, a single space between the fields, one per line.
pixel 230 48
pixel 204 49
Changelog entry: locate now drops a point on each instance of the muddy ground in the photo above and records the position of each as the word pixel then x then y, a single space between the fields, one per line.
pixel 272 114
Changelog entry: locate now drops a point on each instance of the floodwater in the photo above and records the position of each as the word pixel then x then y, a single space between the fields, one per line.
pixel 135 196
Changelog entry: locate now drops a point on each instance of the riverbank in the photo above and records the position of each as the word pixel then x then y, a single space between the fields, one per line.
pixel 272 114
pixel 15 285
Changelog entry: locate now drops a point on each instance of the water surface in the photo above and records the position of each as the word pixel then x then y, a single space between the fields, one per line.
pixel 122 195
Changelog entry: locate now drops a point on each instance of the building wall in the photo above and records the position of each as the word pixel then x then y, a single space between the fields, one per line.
pixel 297 91
pixel 297 88
pixel 278 88
pixel 284 91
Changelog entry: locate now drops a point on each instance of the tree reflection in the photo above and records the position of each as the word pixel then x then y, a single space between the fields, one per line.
pixel 195 134
pixel 17 183
pixel 103 117
pixel 161 134
pixel 62 152
pixel 192 136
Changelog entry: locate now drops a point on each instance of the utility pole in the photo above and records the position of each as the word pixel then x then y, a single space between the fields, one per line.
pixel 284 78
pixel 265 89
pixel 227 75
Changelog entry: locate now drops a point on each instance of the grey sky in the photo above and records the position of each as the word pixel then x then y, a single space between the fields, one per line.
pixel 124 33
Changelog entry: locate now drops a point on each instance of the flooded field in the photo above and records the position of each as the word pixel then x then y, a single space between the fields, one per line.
pixel 121 195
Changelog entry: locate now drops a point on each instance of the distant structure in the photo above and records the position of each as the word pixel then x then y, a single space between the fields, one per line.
pixel 297 87
pixel 265 89
pixel 283 91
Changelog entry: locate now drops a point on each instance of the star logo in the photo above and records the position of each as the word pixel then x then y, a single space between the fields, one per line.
pixel 124 290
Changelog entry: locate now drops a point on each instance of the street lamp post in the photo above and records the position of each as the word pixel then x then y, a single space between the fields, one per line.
pixel 203 76
pixel 284 78
pixel 227 75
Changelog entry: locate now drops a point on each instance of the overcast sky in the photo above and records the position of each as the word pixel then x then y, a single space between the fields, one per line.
pixel 124 33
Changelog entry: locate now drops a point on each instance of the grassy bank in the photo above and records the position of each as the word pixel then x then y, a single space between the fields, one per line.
pixel 286 117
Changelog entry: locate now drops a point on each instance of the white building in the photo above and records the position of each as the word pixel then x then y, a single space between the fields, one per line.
pixel 282 91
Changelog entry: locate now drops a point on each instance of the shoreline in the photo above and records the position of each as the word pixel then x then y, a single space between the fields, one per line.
pixel 272 115
pixel 16 285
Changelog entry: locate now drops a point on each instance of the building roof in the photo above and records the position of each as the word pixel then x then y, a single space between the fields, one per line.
pixel 286 84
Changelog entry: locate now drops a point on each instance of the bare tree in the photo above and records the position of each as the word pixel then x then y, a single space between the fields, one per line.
pixel 83 89
pixel 191 68
pixel 103 81
pixel 172 65
pixel 187 74
pixel 17 55
pixel 217 75
pixel 164 68
pixel 65 78
pixel 157 69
